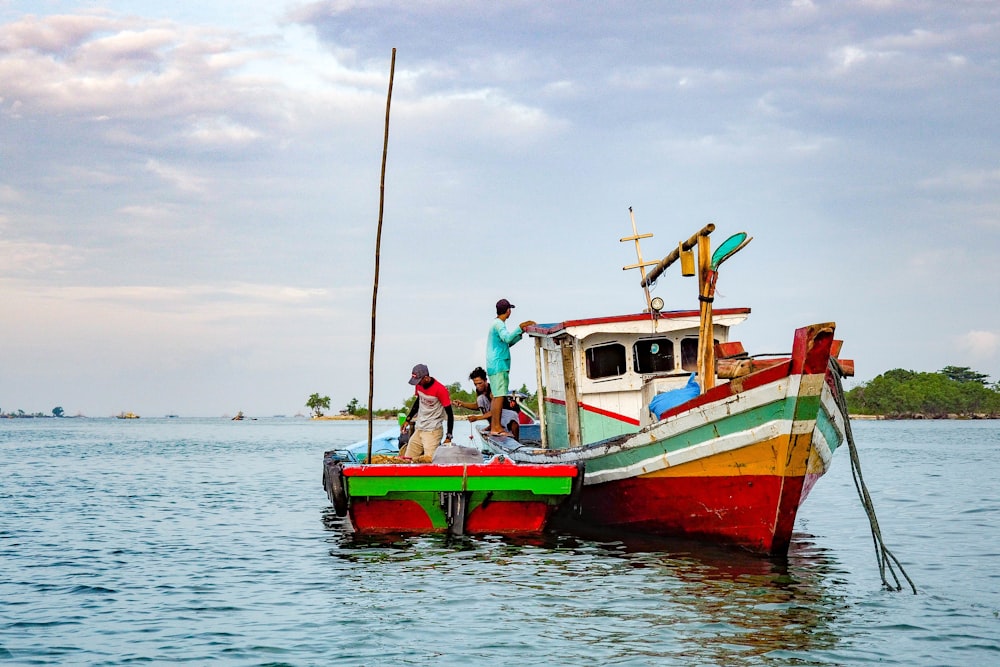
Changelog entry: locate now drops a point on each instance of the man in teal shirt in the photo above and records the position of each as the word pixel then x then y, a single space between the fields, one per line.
pixel 498 344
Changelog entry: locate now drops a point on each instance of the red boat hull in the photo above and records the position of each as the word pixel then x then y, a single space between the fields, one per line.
pixel 407 516
pixel 728 509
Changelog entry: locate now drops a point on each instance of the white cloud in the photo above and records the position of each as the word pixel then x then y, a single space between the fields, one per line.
pixel 981 345
pixel 220 131
pixel 50 34
pixel 180 178
pixel 114 68
pixel 193 178
pixel 853 57
pixel 29 258
pixel 916 39
pixel 9 194
pixel 965 179
pixel 486 114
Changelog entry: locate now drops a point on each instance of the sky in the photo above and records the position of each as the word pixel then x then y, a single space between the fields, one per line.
pixel 190 191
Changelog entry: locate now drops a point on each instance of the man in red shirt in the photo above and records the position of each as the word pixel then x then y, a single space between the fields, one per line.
pixel 433 404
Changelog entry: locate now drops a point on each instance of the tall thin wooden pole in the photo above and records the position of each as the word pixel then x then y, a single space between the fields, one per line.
pixel 378 246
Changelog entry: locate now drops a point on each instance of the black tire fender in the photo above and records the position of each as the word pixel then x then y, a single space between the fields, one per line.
pixel 336 488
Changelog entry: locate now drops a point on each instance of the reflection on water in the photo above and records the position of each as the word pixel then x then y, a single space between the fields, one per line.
pixel 688 601
pixel 200 542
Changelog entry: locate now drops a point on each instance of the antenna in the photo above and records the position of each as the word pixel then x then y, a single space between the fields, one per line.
pixel 641 265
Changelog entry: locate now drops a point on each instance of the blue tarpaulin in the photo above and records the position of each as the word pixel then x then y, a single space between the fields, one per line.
pixel 671 399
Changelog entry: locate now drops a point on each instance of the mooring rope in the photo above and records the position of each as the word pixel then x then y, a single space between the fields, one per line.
pixel 884 557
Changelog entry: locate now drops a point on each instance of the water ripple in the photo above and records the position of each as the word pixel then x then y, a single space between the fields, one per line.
pixel 208 541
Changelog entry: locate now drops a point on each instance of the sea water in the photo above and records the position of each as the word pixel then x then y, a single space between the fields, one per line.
pixel 164 541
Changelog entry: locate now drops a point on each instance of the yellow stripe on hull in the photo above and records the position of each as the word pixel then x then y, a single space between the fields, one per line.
pixel 784 456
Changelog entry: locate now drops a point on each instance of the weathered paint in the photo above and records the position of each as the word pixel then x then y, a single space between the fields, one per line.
pixel 508 513
pixel 665 316
pixel 595 424
pixel 756 511
pixel 733 464
pixel 383 485
pixel 501 498
pixel 556 427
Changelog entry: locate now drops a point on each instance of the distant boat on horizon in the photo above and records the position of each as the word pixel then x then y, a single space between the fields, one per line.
pixel 127 415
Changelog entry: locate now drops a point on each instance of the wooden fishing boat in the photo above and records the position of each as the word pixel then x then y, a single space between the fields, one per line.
pixel 468 496
pixel 679 431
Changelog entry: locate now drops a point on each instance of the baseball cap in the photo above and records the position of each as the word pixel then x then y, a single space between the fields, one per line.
pixel 503 305
pixel 419 373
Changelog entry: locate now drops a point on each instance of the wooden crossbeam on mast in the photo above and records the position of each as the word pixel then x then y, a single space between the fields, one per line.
pixel 641 265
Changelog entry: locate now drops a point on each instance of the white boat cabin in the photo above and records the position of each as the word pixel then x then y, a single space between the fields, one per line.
pixel 597 376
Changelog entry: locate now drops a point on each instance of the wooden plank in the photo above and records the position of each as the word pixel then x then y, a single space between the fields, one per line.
pixel 572 398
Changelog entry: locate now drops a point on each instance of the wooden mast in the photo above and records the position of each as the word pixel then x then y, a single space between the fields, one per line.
pixel 706 331
pixel 706 292
pixel 378 245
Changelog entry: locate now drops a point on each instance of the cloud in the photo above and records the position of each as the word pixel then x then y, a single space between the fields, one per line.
pixel 222 131
pixel 203 304
pixel 122 72
pixel 53 35
pixel 982 345
pixel 22 258
pixel 180 178
pixel 9 195
pixel 965 179
pixel 198 178
pixel 484 115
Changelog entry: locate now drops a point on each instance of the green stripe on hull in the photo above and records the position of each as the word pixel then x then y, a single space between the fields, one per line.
pixel 806 407
pixel 383 486
pixel 430 501
pixel 594 427
pixel 829 429
pixel 556 430
pixel 732 424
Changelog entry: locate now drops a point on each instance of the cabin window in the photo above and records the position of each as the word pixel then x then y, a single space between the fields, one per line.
pixel 653 355
pixel 605 361
pixel 689 354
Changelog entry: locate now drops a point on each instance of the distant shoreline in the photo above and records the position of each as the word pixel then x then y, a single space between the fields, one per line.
pixel 365 418
pixel 922 417
pixel 915 417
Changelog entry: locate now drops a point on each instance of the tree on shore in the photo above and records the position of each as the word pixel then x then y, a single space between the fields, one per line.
pixel 963 374
pixel 57 411
pixel 317 404
pixel 456 392
pixel 953 390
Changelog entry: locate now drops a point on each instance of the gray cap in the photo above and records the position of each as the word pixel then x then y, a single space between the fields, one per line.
pixel 419 373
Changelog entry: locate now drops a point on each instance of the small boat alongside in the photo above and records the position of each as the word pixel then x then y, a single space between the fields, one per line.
pixel 458 494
